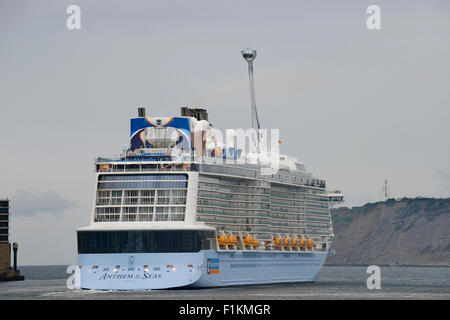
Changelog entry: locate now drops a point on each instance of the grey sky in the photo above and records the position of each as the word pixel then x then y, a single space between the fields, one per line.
pixel 356 106
pixel 49 202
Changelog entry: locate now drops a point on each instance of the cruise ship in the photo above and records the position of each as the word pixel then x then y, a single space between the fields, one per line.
pixel 179 208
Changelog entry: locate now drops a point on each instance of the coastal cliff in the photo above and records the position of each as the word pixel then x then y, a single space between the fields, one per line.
pixel 394 232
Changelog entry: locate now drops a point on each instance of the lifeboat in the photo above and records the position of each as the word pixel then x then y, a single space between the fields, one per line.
pixel 254 242
pixel 232 240
pixel 277 242
pixel 286 242
pixel 248 240
pixel 223 240
pixel 310 243
pixel 294 242
pixel 302 243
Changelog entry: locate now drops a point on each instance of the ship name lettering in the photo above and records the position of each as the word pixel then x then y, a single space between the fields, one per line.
pixel 107 276
pixel 151 276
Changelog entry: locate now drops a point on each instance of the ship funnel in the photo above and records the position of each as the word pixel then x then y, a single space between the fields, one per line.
pixel 141 112
pixel 199 114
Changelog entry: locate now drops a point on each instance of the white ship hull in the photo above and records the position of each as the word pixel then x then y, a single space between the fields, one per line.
pixel 146 271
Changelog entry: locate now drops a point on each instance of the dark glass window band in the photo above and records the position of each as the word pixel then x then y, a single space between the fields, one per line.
pixel 143 185
pixel 145 241
pixel 150 177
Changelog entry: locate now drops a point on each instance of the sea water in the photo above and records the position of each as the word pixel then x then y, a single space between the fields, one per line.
pixel 334 282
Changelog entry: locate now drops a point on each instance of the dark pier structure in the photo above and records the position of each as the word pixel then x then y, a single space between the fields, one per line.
pixel 6 272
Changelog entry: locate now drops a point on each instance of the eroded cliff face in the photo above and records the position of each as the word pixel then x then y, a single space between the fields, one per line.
pixel 393 232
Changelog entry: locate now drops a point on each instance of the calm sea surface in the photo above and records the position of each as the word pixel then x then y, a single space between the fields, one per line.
pixel 49 282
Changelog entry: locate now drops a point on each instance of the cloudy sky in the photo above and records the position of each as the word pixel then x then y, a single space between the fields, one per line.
pixel 355 105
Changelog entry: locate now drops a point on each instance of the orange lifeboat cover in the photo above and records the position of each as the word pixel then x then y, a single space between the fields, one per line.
pixel 276 241
pixel 302 242
pixel 223 240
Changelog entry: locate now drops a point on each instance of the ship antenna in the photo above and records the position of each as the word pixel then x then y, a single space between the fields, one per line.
pixel 385 188
pixel 249 55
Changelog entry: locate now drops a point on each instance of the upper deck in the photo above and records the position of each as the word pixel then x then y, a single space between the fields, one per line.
pixel 217 166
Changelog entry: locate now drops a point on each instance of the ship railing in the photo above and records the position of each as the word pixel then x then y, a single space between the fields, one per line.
pixel 142 168
pixel 269 245
pixel 187 165
pixel 265 248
